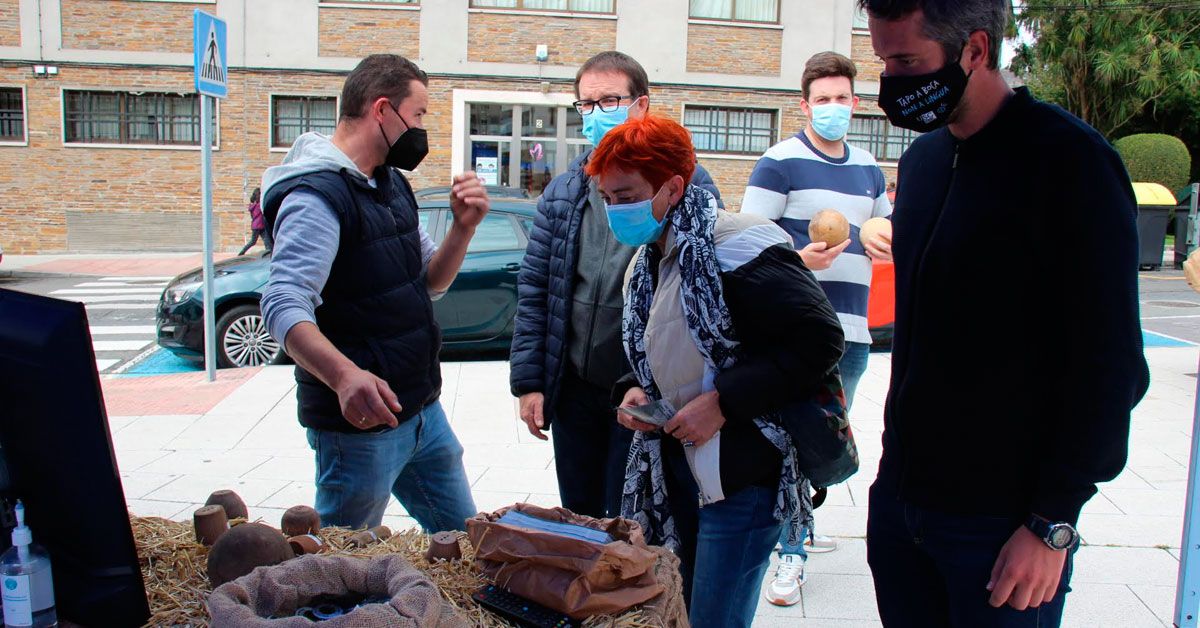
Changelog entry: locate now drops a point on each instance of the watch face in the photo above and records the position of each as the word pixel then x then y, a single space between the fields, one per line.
pixel 1062 537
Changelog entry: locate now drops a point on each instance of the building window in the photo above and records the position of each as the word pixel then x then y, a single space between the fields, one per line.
pixel 133 118
pixel 12 115
pixel 292 116
pixel 877 136
pixel 571 6
pixel 731 130
pixel 860 19
pixel 736 10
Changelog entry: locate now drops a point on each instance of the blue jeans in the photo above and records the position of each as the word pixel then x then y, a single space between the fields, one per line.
pixel 733 549
pixel 931 569
pixel 852 366
pixel 419 461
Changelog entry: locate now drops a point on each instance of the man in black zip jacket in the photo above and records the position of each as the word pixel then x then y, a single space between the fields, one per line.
pixel 1018 351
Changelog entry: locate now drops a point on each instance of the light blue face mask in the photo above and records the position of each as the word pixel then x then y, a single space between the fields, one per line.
pixel 597 123
pixel 634 224
pixel 831 121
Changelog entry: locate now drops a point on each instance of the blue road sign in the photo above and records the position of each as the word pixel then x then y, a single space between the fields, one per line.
pixel 210 55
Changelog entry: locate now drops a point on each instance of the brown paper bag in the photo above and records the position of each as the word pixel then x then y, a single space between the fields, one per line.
pixel 574 577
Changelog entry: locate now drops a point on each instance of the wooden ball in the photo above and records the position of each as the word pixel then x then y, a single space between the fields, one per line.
pixel 874 227
pixel 1191 269
pixel 243 548
pixel 300 520
pixel 829 226
pixel 234 507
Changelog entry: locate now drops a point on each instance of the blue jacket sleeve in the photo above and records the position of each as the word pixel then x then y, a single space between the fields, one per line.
pixel 528 356
pixel 701 179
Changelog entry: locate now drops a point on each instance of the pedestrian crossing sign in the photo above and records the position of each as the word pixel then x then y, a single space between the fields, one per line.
pixel 210 55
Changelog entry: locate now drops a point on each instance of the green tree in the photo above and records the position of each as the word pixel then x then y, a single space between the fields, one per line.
pixel 1113 63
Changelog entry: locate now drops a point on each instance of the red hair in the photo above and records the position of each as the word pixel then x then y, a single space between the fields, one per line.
pixel 657 148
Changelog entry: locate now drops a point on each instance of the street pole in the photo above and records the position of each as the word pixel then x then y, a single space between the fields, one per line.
pixel 210 334
pixel 1187 593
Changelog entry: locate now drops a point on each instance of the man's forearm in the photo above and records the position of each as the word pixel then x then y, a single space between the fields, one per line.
pixel 444 265
pixel 312 350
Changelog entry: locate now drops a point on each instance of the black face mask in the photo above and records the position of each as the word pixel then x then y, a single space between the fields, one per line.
pixel 923 102
pixel 409 149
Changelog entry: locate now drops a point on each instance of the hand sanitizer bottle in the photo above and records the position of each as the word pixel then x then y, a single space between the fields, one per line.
pixel 25 581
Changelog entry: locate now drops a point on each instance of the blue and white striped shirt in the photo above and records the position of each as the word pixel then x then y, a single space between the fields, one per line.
pixel 792 182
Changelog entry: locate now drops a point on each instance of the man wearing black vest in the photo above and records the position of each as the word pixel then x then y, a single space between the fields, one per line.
pixel 353 276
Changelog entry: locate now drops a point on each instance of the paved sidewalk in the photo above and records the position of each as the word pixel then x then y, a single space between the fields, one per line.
pixel 178 438
pixel 110 264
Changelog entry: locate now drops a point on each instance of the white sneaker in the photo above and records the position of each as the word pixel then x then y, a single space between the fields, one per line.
pixel 819 544
pixel 784 590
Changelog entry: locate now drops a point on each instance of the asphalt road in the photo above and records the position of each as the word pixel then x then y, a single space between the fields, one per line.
pixel 121 312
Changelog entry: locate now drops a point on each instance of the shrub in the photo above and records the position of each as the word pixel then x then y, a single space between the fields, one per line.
pixel 1156 158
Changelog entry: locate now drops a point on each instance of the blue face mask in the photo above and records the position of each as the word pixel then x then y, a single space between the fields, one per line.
pixel 634 224
pixel 831 121
pixel 597 123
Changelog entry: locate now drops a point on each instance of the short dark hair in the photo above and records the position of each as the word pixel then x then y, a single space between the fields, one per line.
pixel 951 22
pixel 613 61
pixel 254 196
pixel 826 64
pixel 390 76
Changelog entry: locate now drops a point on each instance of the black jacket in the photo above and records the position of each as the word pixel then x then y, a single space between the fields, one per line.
pixel 375 305
pixel 791 341
pixel 1018 350
pixel 546 284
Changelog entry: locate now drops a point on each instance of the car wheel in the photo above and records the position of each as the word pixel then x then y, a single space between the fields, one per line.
pixel 243 340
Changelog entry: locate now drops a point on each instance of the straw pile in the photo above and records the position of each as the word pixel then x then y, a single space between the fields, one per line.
pixel 174 568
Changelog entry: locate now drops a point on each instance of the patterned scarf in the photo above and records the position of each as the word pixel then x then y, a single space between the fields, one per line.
pixel 645 494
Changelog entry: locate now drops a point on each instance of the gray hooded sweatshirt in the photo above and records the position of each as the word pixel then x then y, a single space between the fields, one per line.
pixel 306 234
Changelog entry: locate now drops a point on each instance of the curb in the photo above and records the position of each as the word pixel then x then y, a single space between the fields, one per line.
pixel 33 274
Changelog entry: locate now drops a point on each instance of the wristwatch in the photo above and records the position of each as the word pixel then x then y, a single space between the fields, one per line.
pixel 1056 535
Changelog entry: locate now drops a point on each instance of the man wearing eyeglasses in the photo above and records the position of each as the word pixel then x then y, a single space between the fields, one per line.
pixel 566 351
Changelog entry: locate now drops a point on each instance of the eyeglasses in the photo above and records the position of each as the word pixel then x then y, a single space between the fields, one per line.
pixel 606 104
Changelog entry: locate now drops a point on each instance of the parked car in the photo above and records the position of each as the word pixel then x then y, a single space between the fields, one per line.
pixel 494 191
pixel 475 315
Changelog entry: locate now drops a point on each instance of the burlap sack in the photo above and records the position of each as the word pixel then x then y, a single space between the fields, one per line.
pixel 668 609
pixel 571 576
pixel 281 589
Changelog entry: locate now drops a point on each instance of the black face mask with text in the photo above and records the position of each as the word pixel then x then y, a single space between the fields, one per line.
pixel 924 102
pixel 409 149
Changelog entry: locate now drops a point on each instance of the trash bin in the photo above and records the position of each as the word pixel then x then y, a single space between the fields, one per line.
pixel 1182 230
pixel 1155 203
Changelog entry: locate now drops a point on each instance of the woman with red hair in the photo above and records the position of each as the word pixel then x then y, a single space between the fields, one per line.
pixel 723 328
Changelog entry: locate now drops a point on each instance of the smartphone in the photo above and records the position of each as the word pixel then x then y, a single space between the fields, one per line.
pixel 655 413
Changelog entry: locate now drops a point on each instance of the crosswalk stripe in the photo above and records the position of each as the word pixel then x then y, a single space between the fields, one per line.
pixel 121 330
pixel 123 306
pixel 109 298
pixel 108 291
pixel 118 284
pixel 103 364
pixel 136 278
pixel 119 345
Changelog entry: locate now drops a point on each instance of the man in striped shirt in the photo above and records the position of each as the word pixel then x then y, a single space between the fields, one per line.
pixel 798 177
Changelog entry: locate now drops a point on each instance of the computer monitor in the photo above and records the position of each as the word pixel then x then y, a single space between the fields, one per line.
pixel 57 455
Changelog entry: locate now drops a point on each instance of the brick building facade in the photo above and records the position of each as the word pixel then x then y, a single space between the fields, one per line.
pixel 99 124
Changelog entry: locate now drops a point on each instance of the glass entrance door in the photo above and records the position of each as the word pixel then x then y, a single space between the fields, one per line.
pixel 522 146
